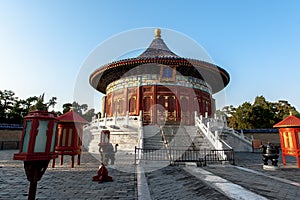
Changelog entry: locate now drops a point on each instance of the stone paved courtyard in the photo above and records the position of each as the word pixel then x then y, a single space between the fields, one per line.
pixel 63 182
pixel 169 182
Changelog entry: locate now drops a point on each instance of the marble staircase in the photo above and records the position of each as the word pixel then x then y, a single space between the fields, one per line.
pixel 152 138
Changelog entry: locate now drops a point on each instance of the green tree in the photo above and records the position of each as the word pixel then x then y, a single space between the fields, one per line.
pixel 66 107
pixel 260 114
pixel 263 113
pixel 40 105
pixel 229 111
pixel 89 115
pixel 51 103
pixel 81 109
pixel 244 116
pixel 7 103
pixel 13 109
pixel 15 116
pixel 282 110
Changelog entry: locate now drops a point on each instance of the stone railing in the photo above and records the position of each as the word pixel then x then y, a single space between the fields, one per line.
pixel 204 124
pixel 114 122
pixel 128 124
pixel 212 136
pixel 216 128
pixel 239 135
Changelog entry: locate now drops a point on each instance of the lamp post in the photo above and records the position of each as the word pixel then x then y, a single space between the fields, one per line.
pixel 37 146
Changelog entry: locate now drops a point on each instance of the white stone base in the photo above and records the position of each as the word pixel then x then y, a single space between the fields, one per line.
pixel 270 167
pixel 126 141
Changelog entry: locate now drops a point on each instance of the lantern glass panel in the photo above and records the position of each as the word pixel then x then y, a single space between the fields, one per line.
pixel 70 137
pixel 59 137
pixel 64 137
pixel 26 136
pixel 53 137
pixel 286 139
pixel 291 145
pixel 41 138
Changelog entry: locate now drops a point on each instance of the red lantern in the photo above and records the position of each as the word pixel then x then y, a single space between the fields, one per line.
pixel 38 137
pixel 37 146
pixel 289 130
pixel 69 136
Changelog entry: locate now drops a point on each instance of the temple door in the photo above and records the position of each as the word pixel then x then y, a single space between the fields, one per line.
pixel 171 116
pixel 147 114
pixel 166 109
pixel 185 111
pixel 161 116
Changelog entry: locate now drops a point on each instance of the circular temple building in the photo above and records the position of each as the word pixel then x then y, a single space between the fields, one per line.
pixel 164 87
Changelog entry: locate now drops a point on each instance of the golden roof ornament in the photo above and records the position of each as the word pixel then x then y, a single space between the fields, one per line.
pixel 157 33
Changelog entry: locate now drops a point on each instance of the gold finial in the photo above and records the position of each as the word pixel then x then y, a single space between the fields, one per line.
pixel 157 33
pixel 291 113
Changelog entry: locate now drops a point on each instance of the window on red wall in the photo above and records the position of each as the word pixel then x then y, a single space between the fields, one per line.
pixel 132 104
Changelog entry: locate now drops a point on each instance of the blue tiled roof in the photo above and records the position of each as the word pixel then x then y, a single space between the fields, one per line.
pixel 11 126
pixel 262 130
pixel 158 48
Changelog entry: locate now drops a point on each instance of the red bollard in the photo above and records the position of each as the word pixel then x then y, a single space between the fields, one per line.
pixel 102 175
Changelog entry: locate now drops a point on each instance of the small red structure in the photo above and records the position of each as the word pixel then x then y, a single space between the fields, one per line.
pixel 69 134
pixel 104 137
pixel 102 175
pixel 289 130
pixel 37 146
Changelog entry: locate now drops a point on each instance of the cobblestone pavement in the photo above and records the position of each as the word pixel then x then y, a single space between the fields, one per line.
pixel 174 183
pixel 63 182
pixel 254 161
pixel 249 173
pixel 169 182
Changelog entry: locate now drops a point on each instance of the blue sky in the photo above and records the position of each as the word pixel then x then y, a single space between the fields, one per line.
pixel 43 44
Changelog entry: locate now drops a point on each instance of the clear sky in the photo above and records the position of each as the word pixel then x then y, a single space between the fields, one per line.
pixel 43 44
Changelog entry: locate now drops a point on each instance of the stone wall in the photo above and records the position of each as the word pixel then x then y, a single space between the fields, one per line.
pixel 238 144
pixel 10 139
pixel 265 137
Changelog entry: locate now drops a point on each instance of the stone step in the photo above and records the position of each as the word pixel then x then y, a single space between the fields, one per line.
pixel 152 138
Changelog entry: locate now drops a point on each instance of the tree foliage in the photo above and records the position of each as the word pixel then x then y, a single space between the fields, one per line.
pixel 260 114
pixel 81 109
pixel 13 109
pixel 40 105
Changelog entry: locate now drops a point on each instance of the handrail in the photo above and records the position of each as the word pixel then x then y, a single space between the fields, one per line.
pixel 179 155
pixel 240 135
pixel 213 138
pixel 166 144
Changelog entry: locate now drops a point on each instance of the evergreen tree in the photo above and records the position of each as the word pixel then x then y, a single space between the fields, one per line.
pixel 260 114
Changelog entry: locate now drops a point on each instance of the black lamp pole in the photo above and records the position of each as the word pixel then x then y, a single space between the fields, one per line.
pixel 34 171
